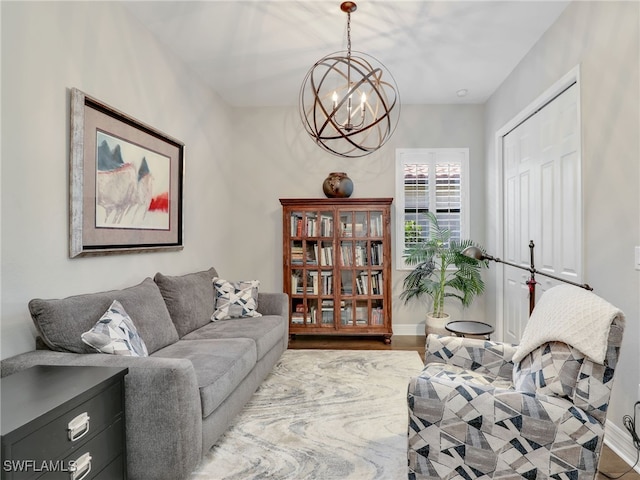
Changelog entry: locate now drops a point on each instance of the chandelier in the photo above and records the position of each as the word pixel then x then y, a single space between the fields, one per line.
pixel 349 104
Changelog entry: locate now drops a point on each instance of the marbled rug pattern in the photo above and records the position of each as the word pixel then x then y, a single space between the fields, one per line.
pixel 321 414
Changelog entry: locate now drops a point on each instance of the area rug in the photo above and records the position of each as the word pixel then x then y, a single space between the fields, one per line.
pixel 321 414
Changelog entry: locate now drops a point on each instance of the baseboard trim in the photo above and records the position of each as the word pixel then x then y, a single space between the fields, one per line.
pixel 620 442
pixel 408 329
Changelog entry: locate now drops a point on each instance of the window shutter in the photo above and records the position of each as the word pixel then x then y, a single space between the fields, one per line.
pixel 430 180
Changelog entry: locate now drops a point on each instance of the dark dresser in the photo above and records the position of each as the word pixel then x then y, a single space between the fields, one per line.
pixel 63 422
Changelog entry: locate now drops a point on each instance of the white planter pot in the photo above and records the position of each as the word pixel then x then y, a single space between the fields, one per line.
pixel 436 324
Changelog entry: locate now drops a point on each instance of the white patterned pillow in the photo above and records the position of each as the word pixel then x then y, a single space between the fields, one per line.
pixel 116 334
pixel 235 299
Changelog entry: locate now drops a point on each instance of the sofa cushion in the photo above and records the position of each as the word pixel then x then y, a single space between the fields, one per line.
pixel 189 299
pixel 220 366
pixel 116 334
pixel 235 299
pixel 62 322
pixel 266 331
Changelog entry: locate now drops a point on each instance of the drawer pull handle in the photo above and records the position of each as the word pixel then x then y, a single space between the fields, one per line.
pixel 78 427
pixel 81 467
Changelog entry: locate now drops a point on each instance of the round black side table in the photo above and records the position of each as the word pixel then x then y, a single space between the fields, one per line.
pixel 462 328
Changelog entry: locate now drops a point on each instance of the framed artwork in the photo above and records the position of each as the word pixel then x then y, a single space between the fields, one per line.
pixel 126 183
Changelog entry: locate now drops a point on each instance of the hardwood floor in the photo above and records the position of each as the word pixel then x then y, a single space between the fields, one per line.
pixel 610 463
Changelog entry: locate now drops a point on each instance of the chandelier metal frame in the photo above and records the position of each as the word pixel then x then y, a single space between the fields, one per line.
pixel 331 119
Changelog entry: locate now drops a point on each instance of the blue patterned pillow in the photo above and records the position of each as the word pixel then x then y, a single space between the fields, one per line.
pixel 235 299
pixel 116 334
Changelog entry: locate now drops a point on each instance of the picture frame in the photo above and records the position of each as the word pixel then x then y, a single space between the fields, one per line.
pixel 126 183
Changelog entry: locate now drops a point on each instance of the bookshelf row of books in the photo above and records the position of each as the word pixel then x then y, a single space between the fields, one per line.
pixel 359 255
pixel 322 227
pixel 363 284
pixel 326 316
pixel 359 229
pixel 362 316
pixel 318 283
pixel 313 315
pixel 311 252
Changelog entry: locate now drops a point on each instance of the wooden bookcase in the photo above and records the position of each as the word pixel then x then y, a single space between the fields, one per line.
pixel 337 265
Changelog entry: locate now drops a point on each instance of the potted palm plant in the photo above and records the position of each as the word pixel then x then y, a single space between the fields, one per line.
pixel 441 271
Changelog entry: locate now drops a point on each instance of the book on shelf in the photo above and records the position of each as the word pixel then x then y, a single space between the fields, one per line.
pixel 296 225
pixel 327 315
pixel 326 226
pixel 325 255
pixel 376 225
pixel 376 283
pixel 360 255
pixel 376 253
pixel 362 283
pixel 346 255
pixel 314 287
pixel 345 315
pixel 297 318
pixel 312 227
pixel 377 316
pixel 327 282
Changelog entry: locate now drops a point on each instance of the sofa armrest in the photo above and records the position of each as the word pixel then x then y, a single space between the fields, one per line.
pixel 162 409
pixel 273 304
pixel 482 356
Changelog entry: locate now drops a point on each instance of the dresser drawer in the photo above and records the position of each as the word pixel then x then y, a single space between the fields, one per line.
pixel 97 453
pixel 53 440
pixel 113 471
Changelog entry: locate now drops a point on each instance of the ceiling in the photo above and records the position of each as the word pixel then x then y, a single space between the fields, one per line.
pixel 257 53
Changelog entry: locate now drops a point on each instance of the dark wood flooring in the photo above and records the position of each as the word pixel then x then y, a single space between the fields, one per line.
pixel 610 463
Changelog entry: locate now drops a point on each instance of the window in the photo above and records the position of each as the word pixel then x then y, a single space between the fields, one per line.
pixel 430 180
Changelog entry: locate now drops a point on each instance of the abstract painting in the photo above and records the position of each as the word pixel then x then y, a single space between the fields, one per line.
pixel 132 185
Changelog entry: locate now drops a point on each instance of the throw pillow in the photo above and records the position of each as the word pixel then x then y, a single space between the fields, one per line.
pixel 235 299
pixel 116 334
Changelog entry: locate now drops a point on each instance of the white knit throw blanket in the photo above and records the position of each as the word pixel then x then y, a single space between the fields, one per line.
pixel 571 315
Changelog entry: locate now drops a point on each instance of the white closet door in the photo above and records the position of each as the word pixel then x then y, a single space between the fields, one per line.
pixel 542 202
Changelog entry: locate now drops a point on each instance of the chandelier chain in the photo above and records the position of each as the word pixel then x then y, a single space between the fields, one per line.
pixel 349 35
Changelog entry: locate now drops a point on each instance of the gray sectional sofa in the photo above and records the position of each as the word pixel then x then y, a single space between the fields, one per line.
pixel 199 374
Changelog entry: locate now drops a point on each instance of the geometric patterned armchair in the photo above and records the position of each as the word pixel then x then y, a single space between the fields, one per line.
pixel 475 412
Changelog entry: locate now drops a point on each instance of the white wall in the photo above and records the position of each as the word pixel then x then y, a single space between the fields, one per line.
pixel 602 37
pixel 239 162
pixel 47 48
pixel 275 158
